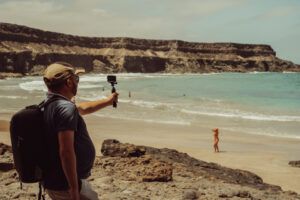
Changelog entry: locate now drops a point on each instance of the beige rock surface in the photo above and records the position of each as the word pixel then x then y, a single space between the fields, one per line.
pixel 122 178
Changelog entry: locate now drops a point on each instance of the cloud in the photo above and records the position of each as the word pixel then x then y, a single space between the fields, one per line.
pixel 277 12
pixel 204 7
pixel 132 18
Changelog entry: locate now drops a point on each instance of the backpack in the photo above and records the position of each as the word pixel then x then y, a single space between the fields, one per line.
pixel 28 142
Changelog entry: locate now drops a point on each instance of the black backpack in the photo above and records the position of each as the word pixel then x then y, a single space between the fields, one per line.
pixel 28 142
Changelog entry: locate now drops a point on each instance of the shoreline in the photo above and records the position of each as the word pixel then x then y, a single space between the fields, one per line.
pixel 265 156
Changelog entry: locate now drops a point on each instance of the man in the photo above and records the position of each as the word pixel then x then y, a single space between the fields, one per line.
pixel 70 151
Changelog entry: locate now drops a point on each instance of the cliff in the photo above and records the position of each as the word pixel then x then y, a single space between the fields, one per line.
pixel 26 50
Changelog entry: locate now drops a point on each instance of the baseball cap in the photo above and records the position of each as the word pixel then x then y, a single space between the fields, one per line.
pixel 58 72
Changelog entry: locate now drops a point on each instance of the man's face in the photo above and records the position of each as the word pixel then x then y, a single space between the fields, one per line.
pixel 75 80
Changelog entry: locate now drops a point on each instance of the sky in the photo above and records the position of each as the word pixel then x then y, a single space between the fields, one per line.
pixel 272 22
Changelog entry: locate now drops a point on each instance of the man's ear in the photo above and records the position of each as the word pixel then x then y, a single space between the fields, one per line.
pixel 69 83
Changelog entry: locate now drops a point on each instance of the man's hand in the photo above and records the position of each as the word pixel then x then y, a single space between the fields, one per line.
pixel 113 97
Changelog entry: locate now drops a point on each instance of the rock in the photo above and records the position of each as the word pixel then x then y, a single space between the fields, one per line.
pixel 28 50
pixel 243 194
pixel 114 148
pixel 106 180
pixel 4 167
pixel 142 169
pixel 159 174
pixel 295 163
pixel 190 194
pixel 223 196
pixel 158 171
pixel 5 148
pixel 212 170
pixel 37 70
pixel 10 75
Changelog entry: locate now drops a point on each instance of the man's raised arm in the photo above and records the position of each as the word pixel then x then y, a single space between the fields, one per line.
pixel 93 106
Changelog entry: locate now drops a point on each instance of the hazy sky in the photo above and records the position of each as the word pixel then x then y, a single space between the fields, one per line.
pixel 273 22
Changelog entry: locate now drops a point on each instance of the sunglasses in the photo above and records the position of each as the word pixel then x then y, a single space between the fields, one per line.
pixel 77 78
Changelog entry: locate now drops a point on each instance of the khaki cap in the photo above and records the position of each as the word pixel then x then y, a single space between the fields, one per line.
pixel 56 73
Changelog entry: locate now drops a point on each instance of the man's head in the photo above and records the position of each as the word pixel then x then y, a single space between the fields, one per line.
pixel 61 77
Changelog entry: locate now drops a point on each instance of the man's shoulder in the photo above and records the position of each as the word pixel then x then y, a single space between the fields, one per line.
pixel 62 106
pixel 65 104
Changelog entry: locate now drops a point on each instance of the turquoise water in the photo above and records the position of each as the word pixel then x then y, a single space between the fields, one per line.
pixel 270 92
pixel 256 103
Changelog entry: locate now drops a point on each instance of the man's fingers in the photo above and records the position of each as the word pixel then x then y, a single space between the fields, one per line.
pixel 116 97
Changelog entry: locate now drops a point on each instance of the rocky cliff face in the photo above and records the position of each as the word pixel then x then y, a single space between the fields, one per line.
pixel 27 50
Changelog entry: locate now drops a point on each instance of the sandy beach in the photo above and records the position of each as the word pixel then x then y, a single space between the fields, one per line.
pixel 267 157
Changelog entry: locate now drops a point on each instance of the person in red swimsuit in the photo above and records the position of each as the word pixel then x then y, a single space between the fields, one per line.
pixel 216 139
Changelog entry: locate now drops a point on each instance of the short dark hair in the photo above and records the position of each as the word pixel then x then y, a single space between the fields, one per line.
pixel 54 87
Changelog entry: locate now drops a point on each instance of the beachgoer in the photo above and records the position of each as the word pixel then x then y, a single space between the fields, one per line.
pixel 129 94
pixel 70 150
pixel 216 139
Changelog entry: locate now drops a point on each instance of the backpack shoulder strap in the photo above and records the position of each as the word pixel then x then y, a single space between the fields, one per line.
pixel 45 103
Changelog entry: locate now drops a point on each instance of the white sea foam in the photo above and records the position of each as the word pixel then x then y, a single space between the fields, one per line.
pixel 89 86
pixel 127 76
pixel 92 97
pixel 264 132
pixel 147 104
pixel 285 72
pixel 9 87
pixel 33 85
pixel 13 97
pixel 256 72
pixel 93 78
pixel 251 116
pixel 182 123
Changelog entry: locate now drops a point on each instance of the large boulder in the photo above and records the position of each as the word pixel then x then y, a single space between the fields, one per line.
pixel 128 161
pixel 141 169
pixel 114 148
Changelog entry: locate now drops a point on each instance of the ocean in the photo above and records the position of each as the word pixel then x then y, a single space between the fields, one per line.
pixel 255 103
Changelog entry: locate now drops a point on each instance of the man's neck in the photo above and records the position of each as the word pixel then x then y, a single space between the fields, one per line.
pixel 61 94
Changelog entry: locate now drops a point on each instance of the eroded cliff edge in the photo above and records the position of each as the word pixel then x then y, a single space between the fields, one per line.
pixel 26 50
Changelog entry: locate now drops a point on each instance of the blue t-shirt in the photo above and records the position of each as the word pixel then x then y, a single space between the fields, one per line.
pixel 63 115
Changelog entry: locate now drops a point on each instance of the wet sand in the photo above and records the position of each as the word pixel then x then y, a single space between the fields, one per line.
pixel 265 156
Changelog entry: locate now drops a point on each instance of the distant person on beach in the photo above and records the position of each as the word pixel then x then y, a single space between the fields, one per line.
pixel 129 94
pixel 216 139
pixel 70 150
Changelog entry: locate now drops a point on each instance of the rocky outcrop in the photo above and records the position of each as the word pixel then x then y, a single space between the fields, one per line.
pixel 10 75
pixel 6 160
pixel 26 50
pixel 114 148
pixel 295 163
pixel 161 174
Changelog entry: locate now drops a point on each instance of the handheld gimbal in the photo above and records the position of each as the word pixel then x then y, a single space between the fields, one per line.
pixel 112 80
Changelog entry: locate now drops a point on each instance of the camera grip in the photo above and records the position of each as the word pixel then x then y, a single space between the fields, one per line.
pixel 113 90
